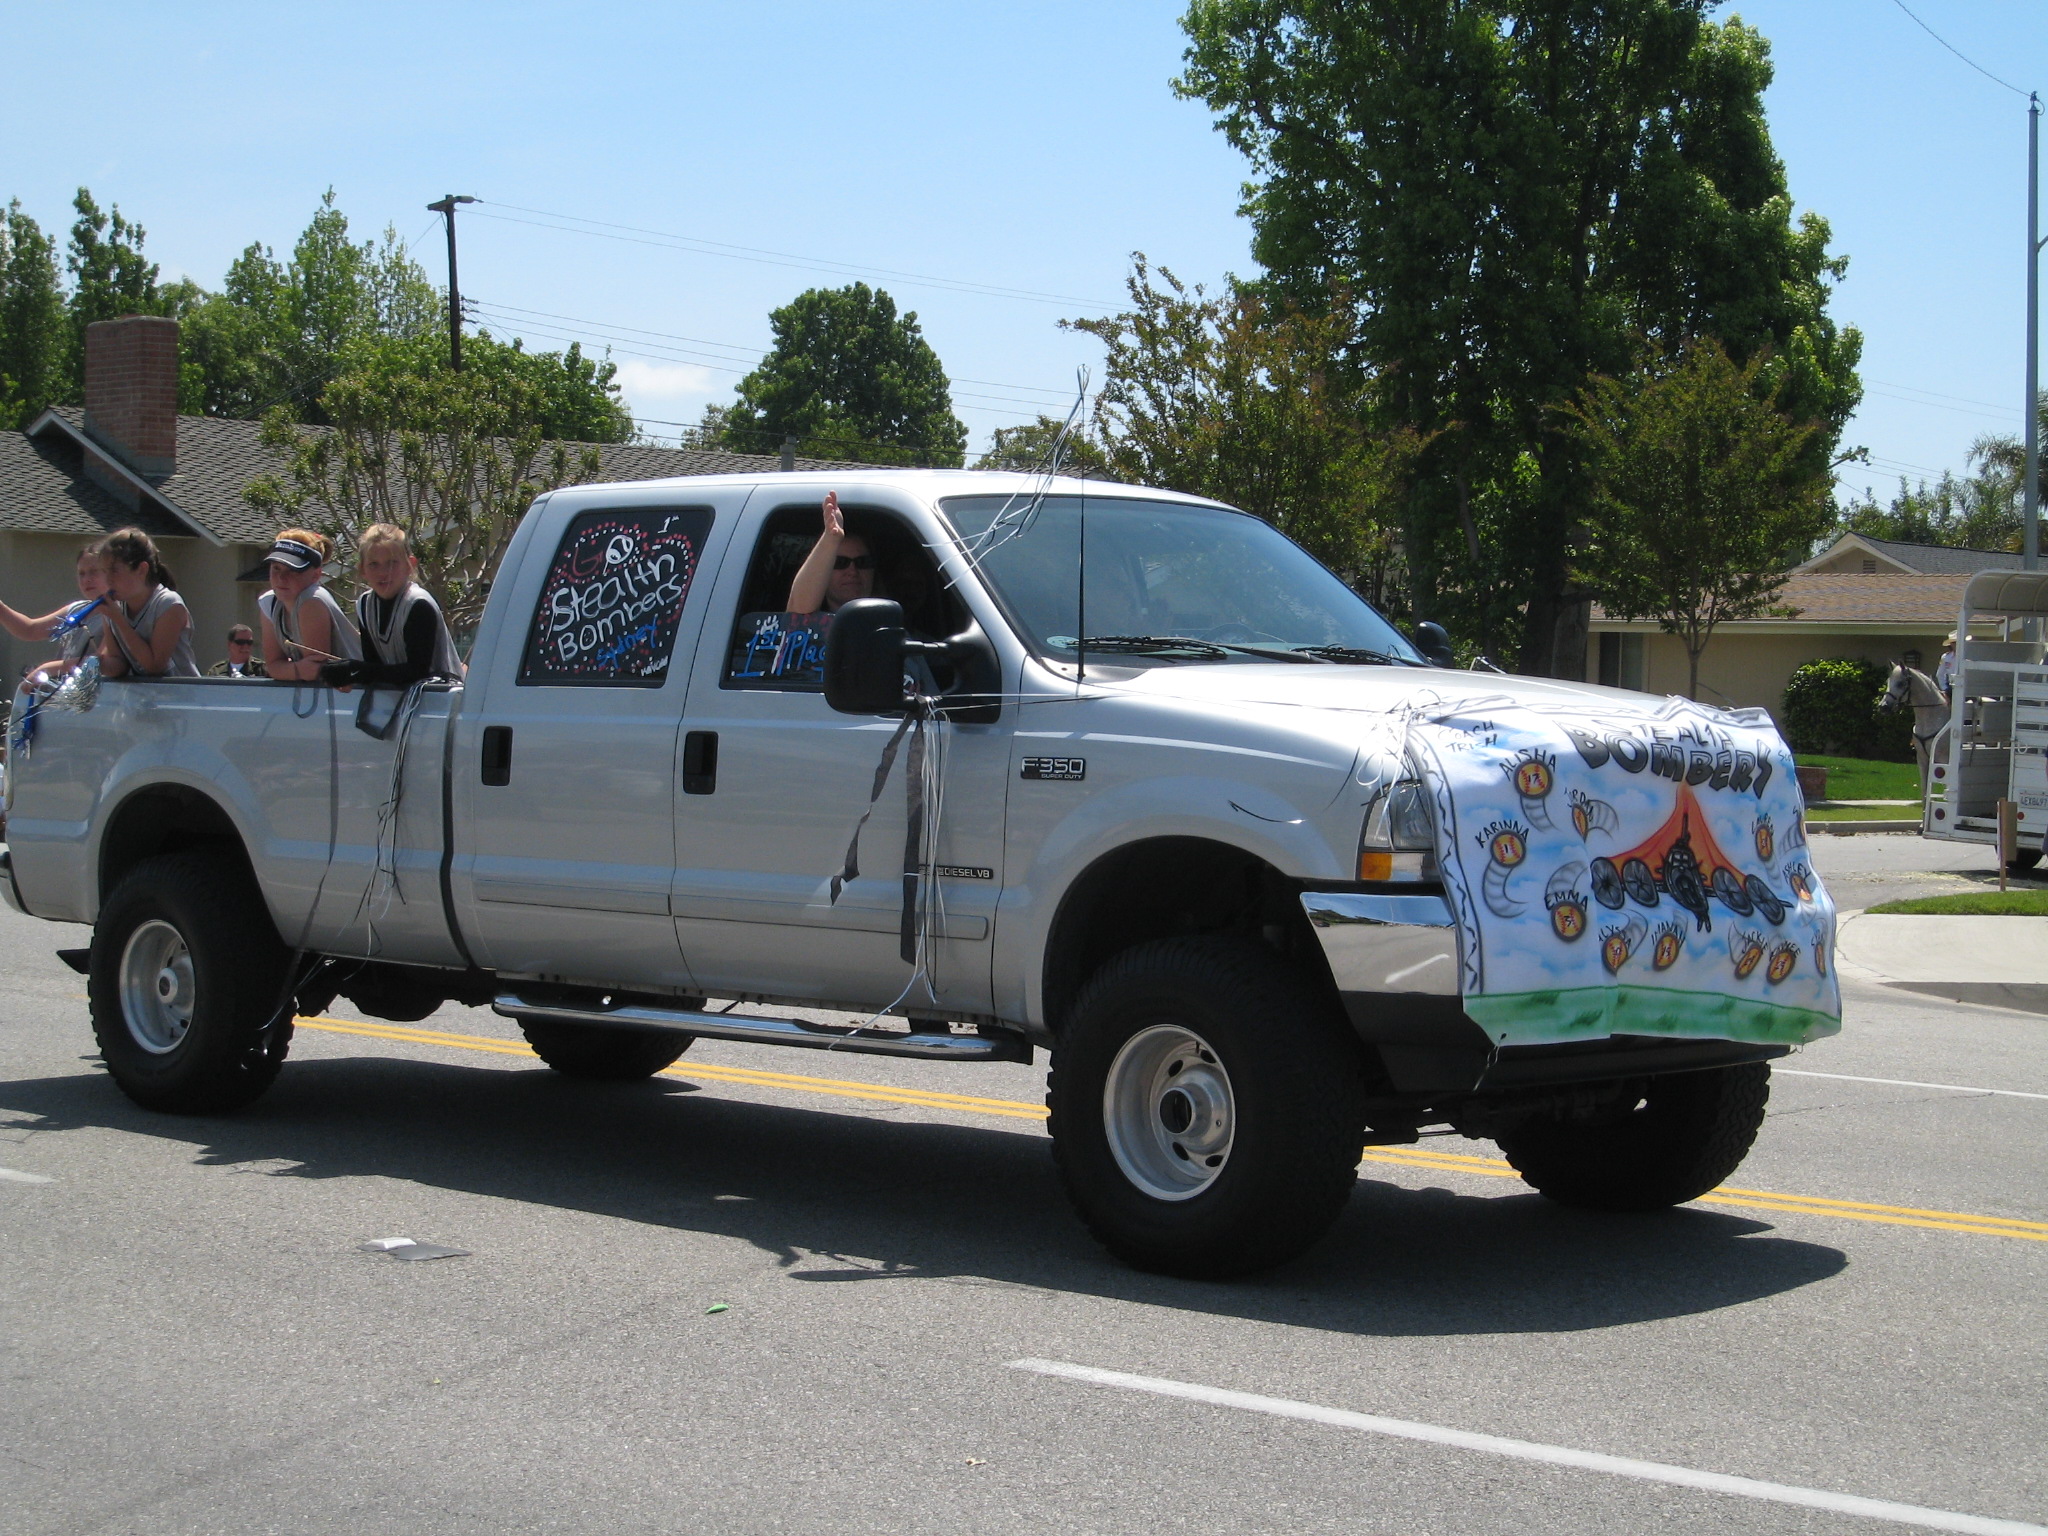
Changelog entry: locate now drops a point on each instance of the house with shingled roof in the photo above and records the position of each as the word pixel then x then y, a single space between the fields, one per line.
pixel 1873 598
pixel 129 459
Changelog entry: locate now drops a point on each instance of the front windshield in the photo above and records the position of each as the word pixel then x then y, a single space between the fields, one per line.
pixel 1159 573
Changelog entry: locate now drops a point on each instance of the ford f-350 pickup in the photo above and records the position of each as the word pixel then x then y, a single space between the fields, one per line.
pixel 1109 772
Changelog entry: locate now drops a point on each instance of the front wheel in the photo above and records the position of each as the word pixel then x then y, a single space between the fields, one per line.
pixel 1668 1141
pixel 1206 1109
pixel 187 980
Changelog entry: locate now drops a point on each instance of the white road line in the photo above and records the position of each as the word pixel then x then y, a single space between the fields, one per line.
pixel 1899 1082
pixel 1553 1455
pixel 16 1176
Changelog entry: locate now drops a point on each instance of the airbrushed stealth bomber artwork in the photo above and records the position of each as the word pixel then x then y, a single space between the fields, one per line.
pixel 1641 876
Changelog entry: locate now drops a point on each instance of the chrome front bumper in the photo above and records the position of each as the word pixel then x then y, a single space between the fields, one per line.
pixel 1394 959
pixel 1386 944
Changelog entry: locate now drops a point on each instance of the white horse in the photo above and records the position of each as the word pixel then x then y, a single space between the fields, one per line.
pixel 1909 687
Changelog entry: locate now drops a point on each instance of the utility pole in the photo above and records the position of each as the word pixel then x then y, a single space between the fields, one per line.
pixel 446 208
pixel 2030 548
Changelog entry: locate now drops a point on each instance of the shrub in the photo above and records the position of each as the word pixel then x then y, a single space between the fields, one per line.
pixel 1831 708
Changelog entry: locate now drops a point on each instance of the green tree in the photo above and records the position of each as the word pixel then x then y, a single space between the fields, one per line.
pixel 455 459
pixel 1705 493
pixel 1030 448
pixel 1239 399
pixel 1511 192
pixel 110 277
pixel 850 379
pixel 34 338
pixel 277 332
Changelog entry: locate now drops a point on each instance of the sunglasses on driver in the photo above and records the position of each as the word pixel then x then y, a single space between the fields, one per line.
pixel 853 562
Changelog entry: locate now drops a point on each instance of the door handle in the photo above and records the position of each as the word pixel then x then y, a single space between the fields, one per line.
pixel 497 764
pixel 700 762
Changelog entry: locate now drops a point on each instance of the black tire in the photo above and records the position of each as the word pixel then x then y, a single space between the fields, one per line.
pixel 602 1053
pixel 2023 861
pixel 1671 1142
pixel 185 976
pixel 1292 1080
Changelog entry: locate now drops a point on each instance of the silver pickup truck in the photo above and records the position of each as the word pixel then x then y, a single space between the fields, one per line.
pixel 1108 772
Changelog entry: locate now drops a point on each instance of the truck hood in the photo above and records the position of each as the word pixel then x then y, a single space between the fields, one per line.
pixel 1373 690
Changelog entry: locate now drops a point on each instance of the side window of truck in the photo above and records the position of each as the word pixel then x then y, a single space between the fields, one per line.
pixel 613 597
pixel 772 648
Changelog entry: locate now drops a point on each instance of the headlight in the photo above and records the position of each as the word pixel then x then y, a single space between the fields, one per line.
pixel 1397 841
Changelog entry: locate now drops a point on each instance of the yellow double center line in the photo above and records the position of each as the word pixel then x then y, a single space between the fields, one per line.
pixel 1398 1157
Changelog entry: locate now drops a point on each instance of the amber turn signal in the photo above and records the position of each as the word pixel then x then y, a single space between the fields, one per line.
pixel 1375 865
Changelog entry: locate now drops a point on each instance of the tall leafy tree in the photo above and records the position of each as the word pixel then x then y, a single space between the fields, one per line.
pixel 277 332
pixel 1514 193
pixel 1251 402
pixel 34 336
pixel 1705 493
pixel 110 274
pixel 849 378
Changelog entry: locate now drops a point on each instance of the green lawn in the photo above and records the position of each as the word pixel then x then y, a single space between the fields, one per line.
pixel 1975 904
pixel 1858 778
pixel 1903 810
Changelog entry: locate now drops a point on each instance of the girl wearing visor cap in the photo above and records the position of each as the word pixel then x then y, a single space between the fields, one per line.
pixel 303 625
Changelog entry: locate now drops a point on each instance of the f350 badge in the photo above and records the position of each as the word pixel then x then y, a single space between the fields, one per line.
pixel 1065 768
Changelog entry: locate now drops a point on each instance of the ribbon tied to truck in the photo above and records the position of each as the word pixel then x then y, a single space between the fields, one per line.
pixel 1632 874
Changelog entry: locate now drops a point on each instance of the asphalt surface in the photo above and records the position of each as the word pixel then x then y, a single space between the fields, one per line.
pixel 192 1341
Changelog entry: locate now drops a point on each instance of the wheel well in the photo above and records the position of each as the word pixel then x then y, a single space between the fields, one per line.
pixel 164 818
pixel 1164 888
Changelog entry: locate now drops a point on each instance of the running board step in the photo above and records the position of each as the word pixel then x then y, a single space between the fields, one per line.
pixel 735 1026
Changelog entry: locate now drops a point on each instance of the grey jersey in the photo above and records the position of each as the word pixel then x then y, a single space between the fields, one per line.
pixel 161 602
pixel 343 642
pixel 386 642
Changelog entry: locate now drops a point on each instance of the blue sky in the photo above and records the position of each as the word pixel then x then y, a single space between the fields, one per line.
pixel 1028 147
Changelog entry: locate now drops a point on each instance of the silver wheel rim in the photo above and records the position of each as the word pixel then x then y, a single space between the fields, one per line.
pixel 156 987
pixel 1169 1113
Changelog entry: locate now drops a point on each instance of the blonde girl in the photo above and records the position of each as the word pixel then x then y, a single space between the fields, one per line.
pixel 77 642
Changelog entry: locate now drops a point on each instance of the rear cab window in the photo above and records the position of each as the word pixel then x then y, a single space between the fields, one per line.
pixel 613 598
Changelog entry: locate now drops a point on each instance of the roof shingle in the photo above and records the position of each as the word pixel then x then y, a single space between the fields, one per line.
pixel 42 488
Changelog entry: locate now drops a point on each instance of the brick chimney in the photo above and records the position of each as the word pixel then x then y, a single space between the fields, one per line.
pixel 131 391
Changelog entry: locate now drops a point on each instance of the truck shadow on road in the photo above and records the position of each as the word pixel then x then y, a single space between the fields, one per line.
pixel 844 1198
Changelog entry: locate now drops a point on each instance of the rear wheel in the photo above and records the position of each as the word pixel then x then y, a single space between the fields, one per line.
pixel 603 1053
pixel 1670 1141
pixel 185 976
pixel 2023 861
pixel 1206 1109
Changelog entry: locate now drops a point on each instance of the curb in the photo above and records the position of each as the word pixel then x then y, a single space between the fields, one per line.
pixel 1850 828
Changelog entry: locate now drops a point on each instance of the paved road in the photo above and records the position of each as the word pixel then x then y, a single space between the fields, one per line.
pixel 193 1342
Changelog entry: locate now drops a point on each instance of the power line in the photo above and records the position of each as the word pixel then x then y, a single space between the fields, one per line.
pixel 600 327
pixel 1937 405
pixel 656 352
pixel 1938 395
pixel 696 245
pixel 1952 48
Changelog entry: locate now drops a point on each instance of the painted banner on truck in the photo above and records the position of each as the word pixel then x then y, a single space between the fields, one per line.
pixel 1628 875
